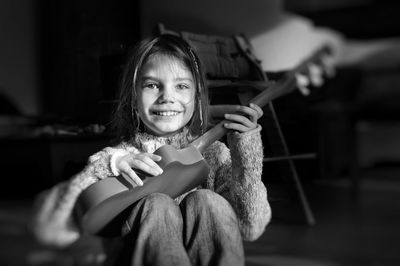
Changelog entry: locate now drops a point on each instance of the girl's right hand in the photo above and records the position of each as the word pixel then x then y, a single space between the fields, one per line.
pixel 142 162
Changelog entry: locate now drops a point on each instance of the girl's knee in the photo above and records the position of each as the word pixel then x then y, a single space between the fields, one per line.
pixel 209 201
pixel 159 204
pixel 210 211
pixel 158 200
pixel 206 197
pixel 152 209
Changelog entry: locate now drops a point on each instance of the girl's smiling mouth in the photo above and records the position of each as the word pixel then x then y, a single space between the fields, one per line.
pixel 166 113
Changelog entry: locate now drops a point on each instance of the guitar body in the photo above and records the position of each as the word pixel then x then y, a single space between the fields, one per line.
pixel 100 203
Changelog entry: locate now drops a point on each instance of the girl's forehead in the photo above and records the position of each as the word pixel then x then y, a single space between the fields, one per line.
pixel 165 63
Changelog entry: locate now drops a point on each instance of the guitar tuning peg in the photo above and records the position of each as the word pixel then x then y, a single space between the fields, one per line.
pixel 316 74
pixel 328 65
pixel 302 82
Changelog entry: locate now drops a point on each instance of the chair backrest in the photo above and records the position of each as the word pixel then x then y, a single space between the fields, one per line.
pixel 223 57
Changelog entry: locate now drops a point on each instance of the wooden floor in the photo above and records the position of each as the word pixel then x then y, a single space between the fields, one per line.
pixel 348 231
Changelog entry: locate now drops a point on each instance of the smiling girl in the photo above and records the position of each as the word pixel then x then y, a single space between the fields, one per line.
pixel 163 101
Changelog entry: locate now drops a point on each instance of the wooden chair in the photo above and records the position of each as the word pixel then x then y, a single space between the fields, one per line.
pixel 234 76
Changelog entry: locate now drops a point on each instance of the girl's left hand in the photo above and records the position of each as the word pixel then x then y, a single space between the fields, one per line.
pixel 245 118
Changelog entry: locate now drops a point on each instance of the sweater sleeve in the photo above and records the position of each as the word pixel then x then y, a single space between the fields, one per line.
pixel 53 222
pixel 237 178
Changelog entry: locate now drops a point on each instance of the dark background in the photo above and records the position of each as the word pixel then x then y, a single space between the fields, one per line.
pixel 60 62
pixel 62 74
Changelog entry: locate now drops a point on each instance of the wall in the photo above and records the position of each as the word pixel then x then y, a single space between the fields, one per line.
pixel 18 55
pixel 80 40
pixel 319 5
pixel 210 16
pixel 20 69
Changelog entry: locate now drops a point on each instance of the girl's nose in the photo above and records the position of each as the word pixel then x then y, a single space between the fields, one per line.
pixel 167 95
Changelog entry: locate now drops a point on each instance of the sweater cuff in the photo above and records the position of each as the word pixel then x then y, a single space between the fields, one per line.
pixel 247 152
pixel 113 158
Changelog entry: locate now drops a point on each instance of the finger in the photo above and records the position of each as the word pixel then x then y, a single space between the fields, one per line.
pixel 237 127
pixel 302 80
pixel 141 164
pixel 240 119
pixel 134 162
pixel 258 109
pixel 328 63
pixel 247 111
pixel 316 73
pixel 135 179
pixel 302 83
pixel 152 164
pixel 127 172
pixel 154 157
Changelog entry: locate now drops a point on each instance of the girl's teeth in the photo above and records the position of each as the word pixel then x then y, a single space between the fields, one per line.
pixel 169 113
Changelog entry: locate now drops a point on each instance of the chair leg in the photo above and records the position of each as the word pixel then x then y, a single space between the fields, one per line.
pixel 274 132
pixel 283 149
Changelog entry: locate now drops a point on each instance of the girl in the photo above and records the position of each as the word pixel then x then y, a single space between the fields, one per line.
pixel 163 100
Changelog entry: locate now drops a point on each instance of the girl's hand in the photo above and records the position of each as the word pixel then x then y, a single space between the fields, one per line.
pixel 245 118
pixel 130 165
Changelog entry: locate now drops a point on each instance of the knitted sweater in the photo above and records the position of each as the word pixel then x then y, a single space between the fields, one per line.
pixel 235 174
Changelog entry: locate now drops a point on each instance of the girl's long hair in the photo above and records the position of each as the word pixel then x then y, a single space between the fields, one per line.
pixel 126 121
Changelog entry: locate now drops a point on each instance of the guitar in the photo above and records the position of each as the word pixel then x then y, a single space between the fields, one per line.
pixel 183 170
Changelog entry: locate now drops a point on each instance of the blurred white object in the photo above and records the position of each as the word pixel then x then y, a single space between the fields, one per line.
pixel 292 40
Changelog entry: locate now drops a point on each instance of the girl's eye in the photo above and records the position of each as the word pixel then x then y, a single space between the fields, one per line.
pixel 150 85
pixel 183 86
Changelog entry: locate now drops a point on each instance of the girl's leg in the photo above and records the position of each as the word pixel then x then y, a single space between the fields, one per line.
pixel 152 235
pixel 211 231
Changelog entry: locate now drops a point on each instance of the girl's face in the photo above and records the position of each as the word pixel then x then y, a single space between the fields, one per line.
pixel 166 95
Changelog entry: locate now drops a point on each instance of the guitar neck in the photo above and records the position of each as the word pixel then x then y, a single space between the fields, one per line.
pixel 218 131
pixel 275 90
